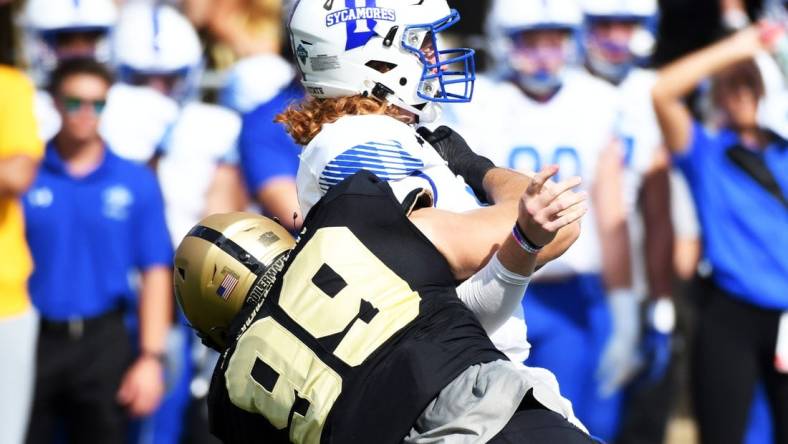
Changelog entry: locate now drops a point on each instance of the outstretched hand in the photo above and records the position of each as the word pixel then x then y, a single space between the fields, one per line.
pixel 546 206
pixel 761 36
pixel 770 33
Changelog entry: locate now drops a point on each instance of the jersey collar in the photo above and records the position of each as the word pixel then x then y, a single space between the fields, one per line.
pixel 53 162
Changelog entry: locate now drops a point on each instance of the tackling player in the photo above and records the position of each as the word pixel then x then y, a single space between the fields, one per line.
pixel 357 335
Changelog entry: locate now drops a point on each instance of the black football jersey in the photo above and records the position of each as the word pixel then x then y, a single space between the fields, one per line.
pixel 355 335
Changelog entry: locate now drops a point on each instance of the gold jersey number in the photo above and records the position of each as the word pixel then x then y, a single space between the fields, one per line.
pixel 339 291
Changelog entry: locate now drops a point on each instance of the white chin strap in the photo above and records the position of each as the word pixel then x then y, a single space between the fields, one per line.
pixel 428 114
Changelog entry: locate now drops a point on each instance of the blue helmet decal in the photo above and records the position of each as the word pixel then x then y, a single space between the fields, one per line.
pixel 360 18
pixel 156 28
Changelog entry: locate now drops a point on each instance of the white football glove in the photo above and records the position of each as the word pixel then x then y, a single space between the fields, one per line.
pixel 621 360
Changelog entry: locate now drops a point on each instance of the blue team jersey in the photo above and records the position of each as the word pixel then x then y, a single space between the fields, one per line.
pixel 745 229
pixel 88 235
pixel 266 150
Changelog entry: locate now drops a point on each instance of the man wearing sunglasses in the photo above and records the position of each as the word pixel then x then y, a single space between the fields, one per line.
pixel 60 30
pixel 93 220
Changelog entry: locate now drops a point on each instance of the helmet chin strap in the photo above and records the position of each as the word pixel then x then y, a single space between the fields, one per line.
pixel 612 72
pixel 541 84
pixel 428 113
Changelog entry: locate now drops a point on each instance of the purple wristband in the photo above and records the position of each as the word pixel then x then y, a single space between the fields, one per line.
pixel 523 241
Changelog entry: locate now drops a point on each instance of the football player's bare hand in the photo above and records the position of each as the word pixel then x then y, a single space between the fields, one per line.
pixel 546 206
pixel 142 387
pixel 770 33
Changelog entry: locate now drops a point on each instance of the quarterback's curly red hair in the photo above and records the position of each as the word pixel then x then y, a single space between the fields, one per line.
pixel 303 121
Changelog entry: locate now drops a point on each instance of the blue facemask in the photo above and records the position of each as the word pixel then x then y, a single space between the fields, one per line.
pixel 613 72
pixel 541 83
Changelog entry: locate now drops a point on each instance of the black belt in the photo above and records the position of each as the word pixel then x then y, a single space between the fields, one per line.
pixel 76 327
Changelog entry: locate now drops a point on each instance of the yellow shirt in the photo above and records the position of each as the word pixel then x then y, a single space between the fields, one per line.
pixel 18 136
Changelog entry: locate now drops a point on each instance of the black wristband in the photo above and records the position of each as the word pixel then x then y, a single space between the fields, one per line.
pixel 525 239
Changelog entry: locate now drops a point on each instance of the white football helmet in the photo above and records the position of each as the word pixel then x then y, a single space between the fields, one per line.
pixel 629 10
pixel 156 40
pixel 513 16
pixel 509 19
pixel 65 15
pixel 609 57
pixel 388 49
pixel 49 20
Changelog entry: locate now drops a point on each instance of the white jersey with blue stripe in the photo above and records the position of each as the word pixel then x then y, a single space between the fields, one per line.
pixel 386 147
pixel 570 130
pixel 394 152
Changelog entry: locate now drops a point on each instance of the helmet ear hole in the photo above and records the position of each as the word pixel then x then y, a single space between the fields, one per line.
pixel 381 66
pixel 403 81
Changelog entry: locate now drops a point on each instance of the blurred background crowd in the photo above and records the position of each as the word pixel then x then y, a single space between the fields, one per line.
pixel 123 123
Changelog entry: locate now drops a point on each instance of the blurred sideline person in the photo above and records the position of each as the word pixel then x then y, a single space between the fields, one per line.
pixel 251 31
pixel 248 44
pixel 62 30
pixel 156 50
pixel 20 152
pixel 737 177
pixel 93 218
pixel 247 28
pixel 613 30
pixel 537 111
pixel 154 116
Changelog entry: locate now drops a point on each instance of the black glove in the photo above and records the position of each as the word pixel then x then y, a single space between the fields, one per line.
pixel 461 158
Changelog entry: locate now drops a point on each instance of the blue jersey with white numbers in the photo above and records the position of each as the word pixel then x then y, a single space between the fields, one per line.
pixel 88 235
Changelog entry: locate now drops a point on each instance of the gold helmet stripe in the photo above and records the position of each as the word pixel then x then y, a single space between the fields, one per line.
pixel 228 246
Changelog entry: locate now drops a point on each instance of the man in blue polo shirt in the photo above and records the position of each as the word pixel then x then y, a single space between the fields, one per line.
pixel 738 176
pixel 92 220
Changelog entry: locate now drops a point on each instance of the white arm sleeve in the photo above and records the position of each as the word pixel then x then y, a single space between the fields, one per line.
pixel 493 293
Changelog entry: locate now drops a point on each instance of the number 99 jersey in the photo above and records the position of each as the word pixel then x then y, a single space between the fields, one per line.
pixel 570 130
pixel 360 330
